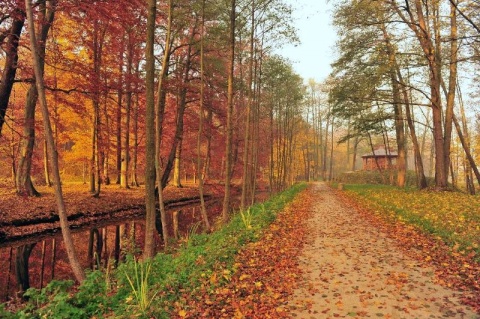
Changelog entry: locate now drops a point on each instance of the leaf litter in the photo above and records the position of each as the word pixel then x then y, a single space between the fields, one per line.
pixel 326 256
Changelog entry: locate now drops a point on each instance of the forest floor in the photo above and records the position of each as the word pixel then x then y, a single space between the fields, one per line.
pixel 327 257
pixel 22 217
pixel 354 268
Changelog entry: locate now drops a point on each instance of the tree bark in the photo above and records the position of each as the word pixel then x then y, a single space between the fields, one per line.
pixel 203 210
pixel 466 149
pixel 421 179
pixel 125 166
pixel 24 181
pixel 229 128
pixel 179 116
pixel 67 238
pixel 150 156
pixel 118 115
pixel 177 180
pixel 247 169
pixel 10 65
pixel 430 48
pixel 452 81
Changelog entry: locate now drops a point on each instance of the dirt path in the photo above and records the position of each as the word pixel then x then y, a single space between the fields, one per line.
pixel 354 271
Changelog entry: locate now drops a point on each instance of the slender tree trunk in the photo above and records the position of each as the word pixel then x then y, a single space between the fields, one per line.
pixel 354 155
pixel 179 117
pixel 421 180
pixel 466 149
pixel 248 111
pixel 330 175
pixel 106 153
pixel 452 81
pixel 397 107
pixel 67 238
pixel 203 210
pixel 468 165
pixel 125 165
pixel 206 167
pixel 150 158
pixel 24 180
pixel 135 143
pixel 177 166
pixel 380 170
pixel 48 182
pixel 159 113
pixel 118 135
pixel 96 161
pixel 230 102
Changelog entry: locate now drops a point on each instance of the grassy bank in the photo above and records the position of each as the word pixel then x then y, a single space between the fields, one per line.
pixel 151 289
pixel 453 217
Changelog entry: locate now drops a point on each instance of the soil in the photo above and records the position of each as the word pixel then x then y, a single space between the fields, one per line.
pixel 355 270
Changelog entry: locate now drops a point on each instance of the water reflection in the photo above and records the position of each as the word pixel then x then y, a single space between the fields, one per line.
pixel 38 261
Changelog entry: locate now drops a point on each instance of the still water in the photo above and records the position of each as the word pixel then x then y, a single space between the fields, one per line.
pixel 98 245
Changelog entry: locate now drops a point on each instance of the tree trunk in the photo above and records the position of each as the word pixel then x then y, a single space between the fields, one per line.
pixel 125 167
pixel 10 64
pixel 203 210
pixel 48 182
pixel 179 117
pixel 246 151
pixel 134 179
pixel 53 156
pixel 466 149
pixel 452 81
pixel 431 53
pixel 397 107
pixel 118 135
pixel 230 94
pixel 177 180
pixel 24 181
pixel 150 154
pixel 421 180
pixel 354 155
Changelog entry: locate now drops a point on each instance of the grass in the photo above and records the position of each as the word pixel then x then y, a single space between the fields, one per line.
pixel 453 217
pixel 150 289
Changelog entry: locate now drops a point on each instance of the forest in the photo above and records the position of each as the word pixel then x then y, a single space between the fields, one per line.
pixel 133 105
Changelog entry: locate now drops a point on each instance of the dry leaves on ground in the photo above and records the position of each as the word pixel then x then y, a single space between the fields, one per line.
pixel 265 273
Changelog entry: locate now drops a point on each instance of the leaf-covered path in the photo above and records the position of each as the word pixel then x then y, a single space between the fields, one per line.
pixel 353 270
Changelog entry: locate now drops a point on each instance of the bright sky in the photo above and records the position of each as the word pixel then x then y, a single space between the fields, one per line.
pixel 312 58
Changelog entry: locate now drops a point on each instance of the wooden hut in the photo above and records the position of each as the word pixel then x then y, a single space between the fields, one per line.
pixel 381 157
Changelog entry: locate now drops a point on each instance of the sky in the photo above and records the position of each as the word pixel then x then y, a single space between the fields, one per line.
pixel 313 56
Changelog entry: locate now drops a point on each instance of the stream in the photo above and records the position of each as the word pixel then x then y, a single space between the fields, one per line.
pixel 100 244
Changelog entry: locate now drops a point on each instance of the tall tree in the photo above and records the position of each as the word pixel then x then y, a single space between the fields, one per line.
pixel 150 155
pixel 24 181
pixel 429 39
pixel 37 53
pixel 230 102
pixel 203 209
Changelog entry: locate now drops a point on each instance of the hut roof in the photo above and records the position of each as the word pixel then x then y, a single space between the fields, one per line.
pixel 381 152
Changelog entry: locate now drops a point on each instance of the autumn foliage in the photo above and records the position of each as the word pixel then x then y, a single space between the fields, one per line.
pixel 438 229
